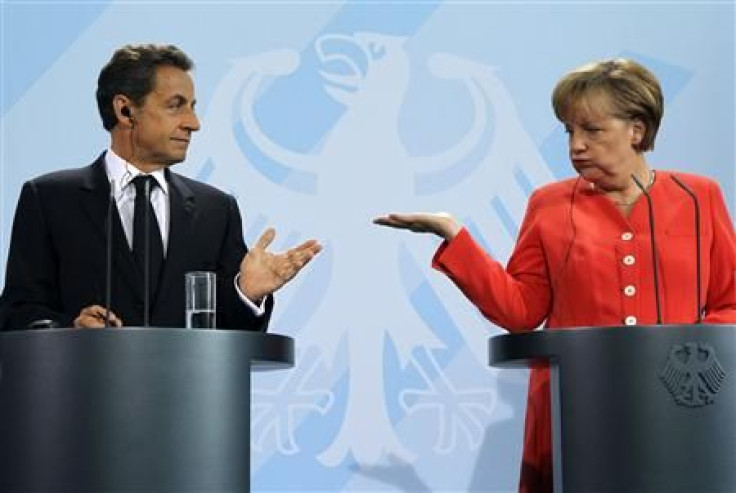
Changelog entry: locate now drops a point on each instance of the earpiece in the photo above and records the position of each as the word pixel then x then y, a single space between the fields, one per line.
pixel 125 111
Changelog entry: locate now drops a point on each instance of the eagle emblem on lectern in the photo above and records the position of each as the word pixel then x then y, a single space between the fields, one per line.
pixel 693 374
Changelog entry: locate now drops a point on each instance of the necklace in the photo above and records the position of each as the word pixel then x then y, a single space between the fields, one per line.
pixel 646 188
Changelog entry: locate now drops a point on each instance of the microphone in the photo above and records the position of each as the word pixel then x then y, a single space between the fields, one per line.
pixel 108 254
pixel 696 204
pixel 653 246
pixel 147 258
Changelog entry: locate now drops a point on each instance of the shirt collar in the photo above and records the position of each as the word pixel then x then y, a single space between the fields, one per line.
pixel 121 173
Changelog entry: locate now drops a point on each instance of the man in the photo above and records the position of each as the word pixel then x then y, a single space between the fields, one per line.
pixel 57 263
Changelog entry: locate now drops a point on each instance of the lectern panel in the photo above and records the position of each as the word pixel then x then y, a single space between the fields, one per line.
pixel 649 409
pixel 160 410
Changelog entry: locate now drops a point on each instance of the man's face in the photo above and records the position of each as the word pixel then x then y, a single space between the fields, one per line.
pixel 164 123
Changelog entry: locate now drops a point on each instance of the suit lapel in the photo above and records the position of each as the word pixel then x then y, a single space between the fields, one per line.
pixel 182 216
pixel 95 197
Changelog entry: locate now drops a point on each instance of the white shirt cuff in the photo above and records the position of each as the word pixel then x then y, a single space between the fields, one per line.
pixel 257 310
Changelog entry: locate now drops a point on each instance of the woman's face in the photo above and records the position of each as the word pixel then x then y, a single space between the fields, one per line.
pixel 603 148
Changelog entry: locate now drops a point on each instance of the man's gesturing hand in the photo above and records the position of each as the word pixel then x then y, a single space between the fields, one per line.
pixel 262 272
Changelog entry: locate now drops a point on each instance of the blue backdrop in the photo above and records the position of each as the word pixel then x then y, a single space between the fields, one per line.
pixel 319 116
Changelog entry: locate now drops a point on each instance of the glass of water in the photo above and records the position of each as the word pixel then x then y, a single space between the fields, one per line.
pixel 201 296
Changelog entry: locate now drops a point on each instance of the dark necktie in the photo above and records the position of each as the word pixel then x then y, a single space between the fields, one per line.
pixel 145 229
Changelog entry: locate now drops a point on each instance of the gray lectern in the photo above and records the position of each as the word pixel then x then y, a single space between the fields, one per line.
pixel 637 409
pixel 130 410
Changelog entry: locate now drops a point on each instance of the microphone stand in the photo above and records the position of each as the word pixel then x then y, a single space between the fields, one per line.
pixel 692 195
pixel 147 258
pixel 108 255
pixel 653 245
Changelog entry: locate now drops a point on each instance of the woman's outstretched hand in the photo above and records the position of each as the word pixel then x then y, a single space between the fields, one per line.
pixel 439 223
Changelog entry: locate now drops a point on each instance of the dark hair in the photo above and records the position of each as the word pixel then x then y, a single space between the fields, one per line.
pixel 631 91
pixel 132 72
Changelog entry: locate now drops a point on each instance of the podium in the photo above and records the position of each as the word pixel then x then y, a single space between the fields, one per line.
pixel 637 409
pixel 130 409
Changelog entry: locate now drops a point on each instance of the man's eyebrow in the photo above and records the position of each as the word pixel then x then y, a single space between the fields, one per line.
pixel 180 100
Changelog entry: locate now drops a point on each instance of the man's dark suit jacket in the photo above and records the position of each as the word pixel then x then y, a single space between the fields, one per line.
pixel 57 257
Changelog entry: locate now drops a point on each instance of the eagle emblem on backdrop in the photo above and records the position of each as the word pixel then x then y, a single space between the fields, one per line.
pixel 381 339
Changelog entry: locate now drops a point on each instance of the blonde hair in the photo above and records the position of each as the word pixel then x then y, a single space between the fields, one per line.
pixel 630 91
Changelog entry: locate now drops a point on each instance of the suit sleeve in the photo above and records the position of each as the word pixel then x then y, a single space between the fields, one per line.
pixel 235 313
pixel 31 284
pixel 516 298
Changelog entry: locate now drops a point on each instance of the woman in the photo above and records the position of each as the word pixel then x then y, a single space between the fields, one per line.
pixel 584 255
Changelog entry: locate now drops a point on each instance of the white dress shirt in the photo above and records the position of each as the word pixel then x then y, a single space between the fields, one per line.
pixel 120 173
